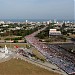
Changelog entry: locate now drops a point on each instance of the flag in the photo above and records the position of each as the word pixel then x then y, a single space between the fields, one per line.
pixel 16 46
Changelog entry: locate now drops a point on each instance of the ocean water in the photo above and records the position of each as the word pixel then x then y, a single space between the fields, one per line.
pixel 33 20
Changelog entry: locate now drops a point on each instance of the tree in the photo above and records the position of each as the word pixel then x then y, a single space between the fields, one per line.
pixel 15 41
pixel 63 26
pixel 25 41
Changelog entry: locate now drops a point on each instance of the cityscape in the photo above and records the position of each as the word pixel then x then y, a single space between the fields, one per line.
pixel 43 44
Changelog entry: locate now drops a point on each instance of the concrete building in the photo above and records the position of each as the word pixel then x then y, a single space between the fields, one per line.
pixel 5 25
pixel 54 32
pixel 48 22
pixel 2 22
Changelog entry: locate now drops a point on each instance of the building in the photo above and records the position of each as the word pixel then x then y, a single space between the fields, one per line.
pixel 2 22
pixel 5 25
pixel 54 32
pixel 49 22
pixel 26 21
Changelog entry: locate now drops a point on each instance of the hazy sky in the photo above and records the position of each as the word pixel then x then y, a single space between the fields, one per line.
pixel 37 9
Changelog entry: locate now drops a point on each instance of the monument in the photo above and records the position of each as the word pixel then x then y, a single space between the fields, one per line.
pixel 6 50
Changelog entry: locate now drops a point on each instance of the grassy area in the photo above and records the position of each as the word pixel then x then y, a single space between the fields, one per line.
pixel 13 44
pixel 21 67
pixel 38 54
pixel 56 39
pixel 2 38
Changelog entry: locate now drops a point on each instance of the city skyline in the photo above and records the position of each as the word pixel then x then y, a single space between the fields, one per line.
pixel 37 9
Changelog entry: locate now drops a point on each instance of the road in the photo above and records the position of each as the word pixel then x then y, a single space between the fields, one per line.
pixel 41 47
pixel 46 65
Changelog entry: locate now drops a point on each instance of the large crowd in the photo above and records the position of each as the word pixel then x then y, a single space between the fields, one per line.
pixel 54 54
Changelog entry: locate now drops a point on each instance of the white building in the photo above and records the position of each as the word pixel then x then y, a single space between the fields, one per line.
pixel 18 28
pixel 54 32
pixel 5 25
pixel 2 22
pixel 48 22
pixel 26 21
pixel 55 21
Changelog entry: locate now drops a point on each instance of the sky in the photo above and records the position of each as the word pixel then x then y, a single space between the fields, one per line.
pixel 37 9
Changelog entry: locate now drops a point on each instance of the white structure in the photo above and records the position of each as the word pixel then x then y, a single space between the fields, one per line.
pixel 2 22
pixel 55 21
pixel 54 32
pixel 5 25
pixel 48 22
pixel 3 52
pixel 18 28
pixel 26 21
pixel 6 50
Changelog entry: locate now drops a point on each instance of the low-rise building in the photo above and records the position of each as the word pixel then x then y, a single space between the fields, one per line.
pixel 5 25
pixel 54 32
pixel 2 22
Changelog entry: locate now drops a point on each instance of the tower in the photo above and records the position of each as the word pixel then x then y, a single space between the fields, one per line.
pixel 26 21
pixel 6 50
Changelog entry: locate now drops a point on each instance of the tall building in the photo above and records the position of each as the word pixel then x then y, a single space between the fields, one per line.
pixel 26 21
pixel 55 21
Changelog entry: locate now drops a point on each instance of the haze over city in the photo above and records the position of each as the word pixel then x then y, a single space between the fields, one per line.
pixel 37 9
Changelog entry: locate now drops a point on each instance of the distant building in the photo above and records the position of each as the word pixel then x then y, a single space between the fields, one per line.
pixel 26 21
pixel 18 28
pixel 2 22
pixel 5 25
pixel 54 32
pixel 48 22
pixel 55 21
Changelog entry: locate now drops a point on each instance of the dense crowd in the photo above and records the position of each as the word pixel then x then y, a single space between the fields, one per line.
pixel 54 54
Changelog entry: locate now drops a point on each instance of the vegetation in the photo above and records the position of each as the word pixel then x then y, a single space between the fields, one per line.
pixel 9 33
pixel 25 41
pixel 16 38
pixel 15 41
pixel 57 39
pixel 38 55
pixel 45 33
pixel 21 32
pixel 13 44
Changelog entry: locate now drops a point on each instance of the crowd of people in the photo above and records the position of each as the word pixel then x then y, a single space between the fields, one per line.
pixel 54 54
